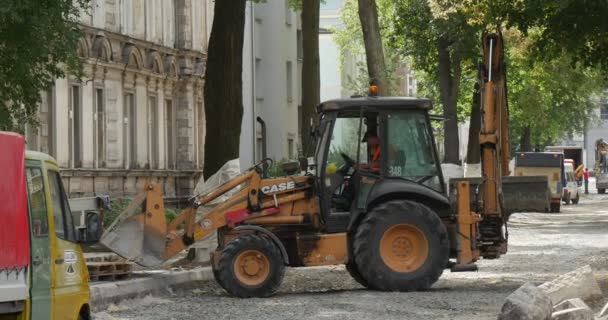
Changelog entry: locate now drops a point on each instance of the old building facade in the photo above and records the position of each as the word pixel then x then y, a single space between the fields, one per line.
pixel 138 113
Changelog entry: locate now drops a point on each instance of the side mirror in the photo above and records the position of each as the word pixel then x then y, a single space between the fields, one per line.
pixel 94 228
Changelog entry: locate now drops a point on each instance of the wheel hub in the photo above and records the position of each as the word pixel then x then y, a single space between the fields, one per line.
pixel 404 248
pixel 251 267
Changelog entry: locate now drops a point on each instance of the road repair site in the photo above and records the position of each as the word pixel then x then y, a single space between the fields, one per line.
pixel 542 247
pixel 372 225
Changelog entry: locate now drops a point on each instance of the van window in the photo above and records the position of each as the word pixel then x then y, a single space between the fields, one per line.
pixel 37 202
pixel 64 226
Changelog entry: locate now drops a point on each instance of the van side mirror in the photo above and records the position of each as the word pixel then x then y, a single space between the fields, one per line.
pixel 94 228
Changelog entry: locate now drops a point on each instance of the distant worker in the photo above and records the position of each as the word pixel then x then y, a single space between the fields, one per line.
pixel 586 178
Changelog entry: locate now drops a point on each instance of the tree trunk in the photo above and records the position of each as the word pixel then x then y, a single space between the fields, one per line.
pixel 473 148
pixel 449 81
pixel 525 142
pixel 368 14
pixel 223 85
pixel 311 79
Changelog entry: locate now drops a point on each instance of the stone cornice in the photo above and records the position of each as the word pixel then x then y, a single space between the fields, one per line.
pixel 112 50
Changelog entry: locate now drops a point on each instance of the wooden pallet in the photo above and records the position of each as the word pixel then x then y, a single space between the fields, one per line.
pixel 108 268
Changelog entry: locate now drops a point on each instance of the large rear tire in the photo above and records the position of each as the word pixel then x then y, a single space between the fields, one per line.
pixel 250 266
pixel 401 245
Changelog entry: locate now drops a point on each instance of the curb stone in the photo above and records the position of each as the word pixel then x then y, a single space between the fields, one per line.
pixel 105 293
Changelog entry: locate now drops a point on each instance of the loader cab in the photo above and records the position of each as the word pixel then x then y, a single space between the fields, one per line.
pixel 373 147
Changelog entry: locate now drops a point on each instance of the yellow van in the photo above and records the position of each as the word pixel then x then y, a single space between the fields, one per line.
pixel 42 268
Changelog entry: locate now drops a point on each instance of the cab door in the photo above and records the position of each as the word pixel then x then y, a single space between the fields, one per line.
pixel 70 285
pixel 40 288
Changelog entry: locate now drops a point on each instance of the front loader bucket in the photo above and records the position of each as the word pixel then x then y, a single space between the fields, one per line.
pixel 140 237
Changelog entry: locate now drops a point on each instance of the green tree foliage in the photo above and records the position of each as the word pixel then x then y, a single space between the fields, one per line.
pixel 442 37
pixel 578 27
pixel 550 93
pixel 38 43
pixel 549 98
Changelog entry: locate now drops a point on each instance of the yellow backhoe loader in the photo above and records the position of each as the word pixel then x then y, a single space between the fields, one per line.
pixel 375 201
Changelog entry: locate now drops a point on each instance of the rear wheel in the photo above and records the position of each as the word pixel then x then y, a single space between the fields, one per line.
pixel 401 246
pixel 601 191
pixel 250 266
pixel 555 207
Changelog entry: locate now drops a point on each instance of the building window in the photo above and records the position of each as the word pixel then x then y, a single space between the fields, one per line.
pixel 129 132
pixel 289 81
pixel 126 22
pixel 151 17
pixel 300 45
pixel 152 133
pixel 100 128
pixel 287 14
pixel 259 80
pixel 48 144
pixel 75 127
pixel 604 111
pixel 290 148
pixel 32 137
pixel 170 135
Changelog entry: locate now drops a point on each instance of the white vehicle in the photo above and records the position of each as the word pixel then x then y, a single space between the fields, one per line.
pixel 570 192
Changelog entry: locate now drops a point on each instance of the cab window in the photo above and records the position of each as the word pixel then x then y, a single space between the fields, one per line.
pixel 37 202
pixel 64 226
pixel 410 151
pixel 345 142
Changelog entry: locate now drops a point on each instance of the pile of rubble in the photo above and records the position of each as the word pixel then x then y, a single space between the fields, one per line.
pixel 560 299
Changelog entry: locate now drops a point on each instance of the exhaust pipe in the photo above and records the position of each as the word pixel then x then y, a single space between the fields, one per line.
pixel 264 153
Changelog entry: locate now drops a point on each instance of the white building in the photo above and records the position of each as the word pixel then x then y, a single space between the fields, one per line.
pixel 271 81
pixel 139 111
pixel 334 77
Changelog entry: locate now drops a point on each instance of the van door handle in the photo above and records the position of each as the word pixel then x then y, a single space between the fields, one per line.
pixel 59 261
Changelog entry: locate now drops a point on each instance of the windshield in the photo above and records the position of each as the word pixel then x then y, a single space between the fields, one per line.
pixel 410 151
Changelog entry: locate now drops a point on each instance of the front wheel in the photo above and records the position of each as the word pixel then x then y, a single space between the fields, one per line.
pixel 401 245
pixel 250 266
pixel 601 191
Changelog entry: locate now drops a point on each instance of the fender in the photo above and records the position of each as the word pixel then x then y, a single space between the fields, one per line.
pixel 272 236
pixel 389 189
